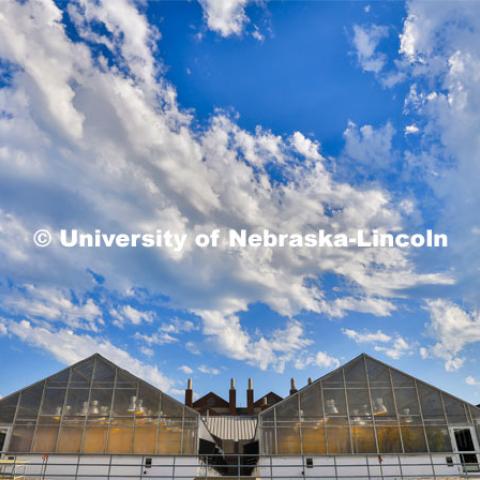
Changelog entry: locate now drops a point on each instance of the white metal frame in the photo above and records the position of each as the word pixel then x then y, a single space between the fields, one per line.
pixel 473 433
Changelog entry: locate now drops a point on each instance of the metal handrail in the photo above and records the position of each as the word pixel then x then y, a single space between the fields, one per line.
pixel 203 468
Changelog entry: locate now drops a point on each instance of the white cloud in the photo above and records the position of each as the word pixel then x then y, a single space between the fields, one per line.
pixel 147 351
pixel 129 315
pixel 177 325
pixel 53 305
pixel 366 40
pixel 366 337
pixel 324 360
pixel 369 146
pixel 126 158
pixel 320 359
pixel 469 380
pixel 185 369
pixel 453 329
pixel 157 338
pixel 398 348
pixel 411 129
pixel 394 346
pixel 208 370
pixel 69 347
pixel 226 17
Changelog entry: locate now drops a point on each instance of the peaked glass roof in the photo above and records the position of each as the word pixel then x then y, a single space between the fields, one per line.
pixel 96 407
pixel 365 406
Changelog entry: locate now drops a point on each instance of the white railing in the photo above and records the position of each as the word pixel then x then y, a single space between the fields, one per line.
pixel 272 467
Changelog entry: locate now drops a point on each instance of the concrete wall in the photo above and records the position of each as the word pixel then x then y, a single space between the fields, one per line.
pixel 359 467
pixel 99 467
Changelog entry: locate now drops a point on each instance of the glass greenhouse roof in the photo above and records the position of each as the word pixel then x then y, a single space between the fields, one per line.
pixel 96 407
pixel 364 406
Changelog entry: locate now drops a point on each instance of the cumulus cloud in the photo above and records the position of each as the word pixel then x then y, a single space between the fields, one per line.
pixel 226 17
pixel 69 347
pixel 186 369
pixel 453 329
pixel 366 40
pixel 126 158
pixel 127 314
pixel 393 346
pixel 366 337
pixel 369 146
pixel 321 359
pixel 472 381
pixel 208 370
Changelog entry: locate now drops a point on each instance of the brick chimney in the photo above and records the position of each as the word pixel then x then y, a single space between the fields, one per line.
pixel 250 409
pixel 189 394
pixel 264 404
pixel 232 398
pixel 293 387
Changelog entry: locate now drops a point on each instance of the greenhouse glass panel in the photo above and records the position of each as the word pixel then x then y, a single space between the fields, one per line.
pixel 169 437
pixel 431 403
pixel 145 436
pixel 314 438
pixel 46 435
pixel 268 440
pixel 363 439
pixel 171 408
pixel 288 437
pixel 189 439
pixel 59 380
pixel 334 380
pixel 455 409
pixel 338 439
pixel 124 402
pixel 22 437
pixel 8 407
pixel 383 405
pixel 388 437
pixel 335 402
pixel 77 402
pixel 148 401
pixel 100 402
pixel 125 380
pixel 413 438
pixel 407 403
pixel 104 375
pixel 70 436
pixel 30 402
pixel 81 375
pixel 359 405
pixel 120 436
pixel 438 438
pixel 399 379
pixel 378 374
pixel 288 409
pixel 95 438
pixel 53 401
pixel 355 375
pixel 311 403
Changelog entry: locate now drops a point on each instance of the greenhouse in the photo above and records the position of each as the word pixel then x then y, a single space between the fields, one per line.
pixel 96 407
pixel 368 407
pixel 364 419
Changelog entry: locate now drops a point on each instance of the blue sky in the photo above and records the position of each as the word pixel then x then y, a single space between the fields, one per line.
pixel 279 115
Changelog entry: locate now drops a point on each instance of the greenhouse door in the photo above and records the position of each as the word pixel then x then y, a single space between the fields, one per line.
pixel 465 441
pixel 3 438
